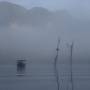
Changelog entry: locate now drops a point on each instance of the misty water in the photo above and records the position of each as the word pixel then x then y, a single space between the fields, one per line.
pixel 40 76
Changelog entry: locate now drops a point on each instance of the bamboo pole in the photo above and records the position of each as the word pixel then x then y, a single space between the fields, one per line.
pixel 55 66
pixel 71 66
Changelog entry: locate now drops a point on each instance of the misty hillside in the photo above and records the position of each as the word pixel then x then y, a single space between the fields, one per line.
pixel 35 17
pixel 10 13
pixel 39 17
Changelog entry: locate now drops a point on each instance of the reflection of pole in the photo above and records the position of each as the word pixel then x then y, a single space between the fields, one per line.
pixel 55 65
pixel 71 70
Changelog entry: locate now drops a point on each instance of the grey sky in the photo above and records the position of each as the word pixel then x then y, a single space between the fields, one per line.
pixel 54 4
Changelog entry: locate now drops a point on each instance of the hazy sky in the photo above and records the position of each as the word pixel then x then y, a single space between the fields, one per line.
pixel 54 4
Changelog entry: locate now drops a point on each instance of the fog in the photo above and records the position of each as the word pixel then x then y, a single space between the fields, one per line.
pixel 29 30
pixel 24 42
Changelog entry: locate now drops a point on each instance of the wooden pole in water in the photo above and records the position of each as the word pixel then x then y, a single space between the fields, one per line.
pixel 55 65
pixel 71 67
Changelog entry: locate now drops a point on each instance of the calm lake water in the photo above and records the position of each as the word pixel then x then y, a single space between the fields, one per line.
pixel 40 76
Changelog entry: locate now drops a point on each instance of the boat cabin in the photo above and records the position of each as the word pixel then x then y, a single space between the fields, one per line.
pixel 21 66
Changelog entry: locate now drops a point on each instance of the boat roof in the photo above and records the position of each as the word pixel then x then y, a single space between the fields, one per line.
pixel 21 60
